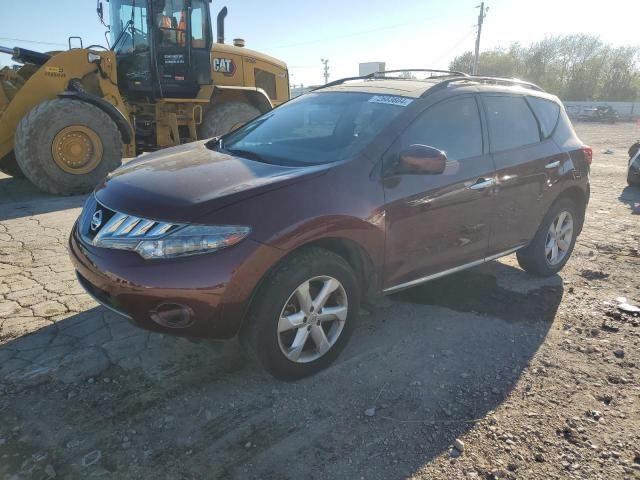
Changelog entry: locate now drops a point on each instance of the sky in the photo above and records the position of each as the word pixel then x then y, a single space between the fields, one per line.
pixel 402 33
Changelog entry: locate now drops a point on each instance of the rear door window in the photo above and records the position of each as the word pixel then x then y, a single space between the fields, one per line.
pixel 452 126
pixel 547 112
pixel 511 122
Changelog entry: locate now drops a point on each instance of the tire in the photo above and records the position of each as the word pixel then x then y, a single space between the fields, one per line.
pixel 262 333
pixel 632 182
pixel 9 166
pixel 226 117
pixel 43 125
pixel 534 258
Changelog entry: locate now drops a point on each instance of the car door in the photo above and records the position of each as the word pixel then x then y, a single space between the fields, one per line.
pixel 528 164
pixel 438 222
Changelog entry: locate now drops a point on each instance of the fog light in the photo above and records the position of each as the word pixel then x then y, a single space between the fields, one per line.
pixel 172 315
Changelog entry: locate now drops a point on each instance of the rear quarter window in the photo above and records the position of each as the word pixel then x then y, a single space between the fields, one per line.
pixel 548 113
pixel 511 122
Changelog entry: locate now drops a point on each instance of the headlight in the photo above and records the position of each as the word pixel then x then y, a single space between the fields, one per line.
pixel 94 57
pixel 192 240
pixel 103 227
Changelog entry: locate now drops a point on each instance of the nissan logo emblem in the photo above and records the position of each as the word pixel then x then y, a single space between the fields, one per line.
pixel 96 220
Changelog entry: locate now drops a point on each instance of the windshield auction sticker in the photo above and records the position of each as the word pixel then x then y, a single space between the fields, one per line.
pixel 391 100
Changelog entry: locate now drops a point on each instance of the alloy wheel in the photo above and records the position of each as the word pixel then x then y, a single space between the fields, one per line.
pixel 312 319
pixel 559 237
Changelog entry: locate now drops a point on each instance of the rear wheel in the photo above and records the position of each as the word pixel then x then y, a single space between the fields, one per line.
pixel 553 243
pixel 9 166
pixel 226 117
pixel 304 314
pixel 67 146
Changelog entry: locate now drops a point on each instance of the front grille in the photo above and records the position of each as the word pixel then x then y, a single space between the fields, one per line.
pixel 99 224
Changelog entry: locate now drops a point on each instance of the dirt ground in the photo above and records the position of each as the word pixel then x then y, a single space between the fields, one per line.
pixel 489 373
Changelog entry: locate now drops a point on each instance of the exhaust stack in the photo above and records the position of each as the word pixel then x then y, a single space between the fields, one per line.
pixel 220 24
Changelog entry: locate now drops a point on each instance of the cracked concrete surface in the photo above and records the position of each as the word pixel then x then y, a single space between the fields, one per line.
pixel 76 339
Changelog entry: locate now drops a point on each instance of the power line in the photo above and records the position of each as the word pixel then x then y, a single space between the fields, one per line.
pixel 7 39
pixel 361 32
pixel 454 47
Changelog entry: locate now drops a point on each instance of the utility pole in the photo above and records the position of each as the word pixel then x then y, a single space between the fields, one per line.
pixel 483 14
pixel 326 70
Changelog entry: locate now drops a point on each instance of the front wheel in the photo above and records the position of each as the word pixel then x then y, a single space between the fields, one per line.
pixel 553 243
pixel 67 146
pixel 303 315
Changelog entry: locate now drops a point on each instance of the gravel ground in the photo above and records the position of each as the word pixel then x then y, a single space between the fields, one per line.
pixel 489 373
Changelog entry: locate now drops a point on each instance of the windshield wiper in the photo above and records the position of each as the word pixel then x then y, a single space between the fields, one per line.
pixel 124 30
pixel 245 154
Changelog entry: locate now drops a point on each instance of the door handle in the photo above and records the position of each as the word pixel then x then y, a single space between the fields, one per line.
pixel 483 183
pixel 551 165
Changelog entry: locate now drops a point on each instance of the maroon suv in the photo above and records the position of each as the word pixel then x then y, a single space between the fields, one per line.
pixel 277 231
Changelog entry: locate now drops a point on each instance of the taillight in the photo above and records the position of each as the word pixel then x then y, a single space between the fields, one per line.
pixel 588 154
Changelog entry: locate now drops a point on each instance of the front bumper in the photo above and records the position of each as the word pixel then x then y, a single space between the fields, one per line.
pixel 215 289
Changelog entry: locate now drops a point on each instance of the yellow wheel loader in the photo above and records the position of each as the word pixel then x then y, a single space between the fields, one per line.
pixel 69 118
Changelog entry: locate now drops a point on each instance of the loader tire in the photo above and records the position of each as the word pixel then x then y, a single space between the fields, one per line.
pixel 9 166
pixel 226 117
pixel 66 146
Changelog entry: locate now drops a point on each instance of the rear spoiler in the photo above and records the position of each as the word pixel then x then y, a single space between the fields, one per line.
pixel 22 55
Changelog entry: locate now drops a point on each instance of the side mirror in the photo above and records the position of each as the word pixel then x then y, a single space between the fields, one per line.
pixel 421 159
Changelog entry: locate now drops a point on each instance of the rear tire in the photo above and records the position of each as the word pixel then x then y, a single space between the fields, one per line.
pixel 9 166
pixel 226 117
pixel 89 153
pixel 270 332
pixel 534 258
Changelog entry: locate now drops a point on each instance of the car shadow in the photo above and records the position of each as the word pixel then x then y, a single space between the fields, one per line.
pixel 630 196
pixel 419 371
pixel 20 198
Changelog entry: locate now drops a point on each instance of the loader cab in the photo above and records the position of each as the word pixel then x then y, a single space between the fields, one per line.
pixel 163 47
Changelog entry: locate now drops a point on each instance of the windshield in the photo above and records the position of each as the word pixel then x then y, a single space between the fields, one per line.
pixel 129 25
pixel 315 128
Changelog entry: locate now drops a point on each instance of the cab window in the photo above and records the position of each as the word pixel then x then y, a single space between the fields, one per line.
pixel 172 22
pixel 198 24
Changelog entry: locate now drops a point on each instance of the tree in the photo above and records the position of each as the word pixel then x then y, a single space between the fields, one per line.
pixel 407 75
pixel 575 67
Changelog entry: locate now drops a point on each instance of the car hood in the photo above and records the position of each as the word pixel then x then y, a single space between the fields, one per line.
pixel 183 183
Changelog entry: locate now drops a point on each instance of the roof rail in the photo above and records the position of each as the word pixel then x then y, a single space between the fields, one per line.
pixel 485 79
pixel 459 77
pixel 342 80
pixel 450 72
pixel 379 75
